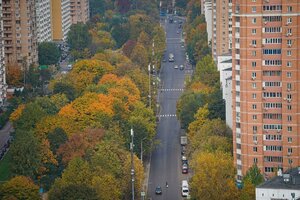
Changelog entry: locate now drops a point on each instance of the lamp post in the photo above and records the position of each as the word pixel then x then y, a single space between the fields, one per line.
pixel 149 96
pixel 132 164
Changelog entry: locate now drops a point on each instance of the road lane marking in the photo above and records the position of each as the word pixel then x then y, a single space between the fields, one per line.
pixel 167 115
pixel 171 89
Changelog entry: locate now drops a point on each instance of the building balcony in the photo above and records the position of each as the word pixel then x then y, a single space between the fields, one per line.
pixel 238 109
pixel 238 99
pixel 239 172
pixel 238 151
pixel 238 130
pixel 237 45
pixel 237 24
pixel 237 67
pixel 237 56
pixel 237 35
pixel 239 162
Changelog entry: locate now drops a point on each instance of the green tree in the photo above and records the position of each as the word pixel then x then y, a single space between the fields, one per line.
pixel 65 88
pixel 187 107
pixel 79 37
pixel 74 191
pixel 206 72
pixel 216 105
pixel 19 187
pixel 26 154
pixel 49 53
pixel 56 138
pixel 254 175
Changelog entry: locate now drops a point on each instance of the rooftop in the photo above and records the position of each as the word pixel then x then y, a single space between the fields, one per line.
pixel 292 181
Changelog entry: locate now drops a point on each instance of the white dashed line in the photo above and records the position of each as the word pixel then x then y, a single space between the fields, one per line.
pixel 167 115
pixel 171 90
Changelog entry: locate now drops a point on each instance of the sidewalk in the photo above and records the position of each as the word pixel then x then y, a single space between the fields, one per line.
pixel 146 180
pixel 5 134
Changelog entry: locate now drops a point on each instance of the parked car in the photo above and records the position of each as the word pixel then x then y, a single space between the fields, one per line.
pixel 181 67
pixel 185 168
pixel 175 66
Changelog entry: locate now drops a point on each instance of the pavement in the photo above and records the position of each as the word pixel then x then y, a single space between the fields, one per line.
pixel 5 134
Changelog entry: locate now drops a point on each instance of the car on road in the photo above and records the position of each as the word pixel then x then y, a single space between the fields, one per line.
pixel 177 32
pixel 175 66
pixel 185 168
pixel 181 67
pixel 158 190
pixel 184 188
pixel 183 150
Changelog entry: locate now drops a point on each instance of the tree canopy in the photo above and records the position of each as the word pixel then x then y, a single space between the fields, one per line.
pixel 48 53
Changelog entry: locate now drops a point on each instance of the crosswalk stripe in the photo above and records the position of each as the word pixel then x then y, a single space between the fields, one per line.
pixel 167 115
pixel 171 89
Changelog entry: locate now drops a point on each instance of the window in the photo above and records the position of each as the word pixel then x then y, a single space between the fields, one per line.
pixel 254 64
pixel 253 31
pixel 289 107
pixel 254 160
pixel 289 8
pixel 269 169
pixel 254 149
pixel 273 137
pixel 289 20
pixel 273 159
pixel 253 53
pixel 254 106
pixel 271 51
pixel 289 53
pixel 290 140
pixel 289 63
pixel 253 95
pixel 254 21
pixel 289 42
pixel 272 29
pixel 253 74
pixel 289 74
pixel 272 148
pixel 290 128
pixel 254 117
pixel 289 31
pixel 289 118
pixel 290 150
pixel 253 9
pixel 254 128
pixel 289 85
pixel 253 85
pixel 253 42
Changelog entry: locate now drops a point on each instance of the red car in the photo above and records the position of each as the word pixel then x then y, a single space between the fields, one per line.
pixel 185 168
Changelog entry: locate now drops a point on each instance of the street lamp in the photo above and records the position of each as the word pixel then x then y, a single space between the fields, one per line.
pixel 149 96
pixel 132 164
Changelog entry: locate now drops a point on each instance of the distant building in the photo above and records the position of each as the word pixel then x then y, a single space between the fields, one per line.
pixel 80 11
pixel 61 19
pixel 43 20
pixel 221 28
pixel 3 85
pixel 283 187
pixel 19 28
pixel 208 18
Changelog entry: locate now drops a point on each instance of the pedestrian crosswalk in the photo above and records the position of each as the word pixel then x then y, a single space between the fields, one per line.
pixel 171 89
pixel 167 115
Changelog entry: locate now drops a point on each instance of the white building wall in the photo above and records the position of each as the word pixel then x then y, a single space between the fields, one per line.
pixel 43 20
pixel 208 12
pixel 227 95
pixel 267 194
pixel 3 85
pixel 66 17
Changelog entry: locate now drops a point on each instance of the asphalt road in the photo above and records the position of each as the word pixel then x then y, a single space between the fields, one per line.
pixel 165 165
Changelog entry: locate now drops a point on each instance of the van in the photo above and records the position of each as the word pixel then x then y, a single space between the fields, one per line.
pixel 184 188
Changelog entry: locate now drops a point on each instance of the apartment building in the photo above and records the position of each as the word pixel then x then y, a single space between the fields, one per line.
pixel 61 19
pixel 20 44
pixel 79 11
pixel 266 88
pixel 3 85
pixel 43 20
pixel 208 13
pixel 221 28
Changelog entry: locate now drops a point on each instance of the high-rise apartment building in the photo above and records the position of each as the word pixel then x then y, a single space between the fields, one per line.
pixel 61 19
pixel 221 28
pixel 43 20
pixel 19 29
pixel 3 85
pixel 266 87
pixel 79 11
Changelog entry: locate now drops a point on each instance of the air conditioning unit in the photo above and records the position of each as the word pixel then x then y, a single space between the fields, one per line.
pixel 278 131
pixel 289 153
pixel 289 45
pixel 266 131
pixel 284 99
pixel 265 22
pixel 266 109
pixel 288 89
pixel 263 87
pixel 264 98
pixel 289 100
pixel 266 1
pixel 263 45
pixel 253 78
pixel 255 142
pixel 287 35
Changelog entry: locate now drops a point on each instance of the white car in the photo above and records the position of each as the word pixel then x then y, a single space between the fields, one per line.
pixel 175 66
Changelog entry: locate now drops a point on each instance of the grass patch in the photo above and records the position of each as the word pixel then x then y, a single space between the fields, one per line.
pixel 5 172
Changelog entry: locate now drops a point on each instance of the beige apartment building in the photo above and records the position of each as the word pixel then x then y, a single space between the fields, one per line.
pixel 20 45
pixel 266 87
pixel 79 11
pixel 3 85
pixel 221 27
pixel 61 19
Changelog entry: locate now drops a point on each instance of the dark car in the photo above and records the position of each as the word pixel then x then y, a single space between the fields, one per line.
pixel 185 169
pixel 181 67
pixel 158 190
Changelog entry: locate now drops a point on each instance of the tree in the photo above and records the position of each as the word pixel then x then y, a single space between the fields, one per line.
pixel 254 175
pixel 14 76
pixel 139 56
pixel 213 175
pixel 187 107
pixel 26 154
pixel 49 53
pixel 216 105
pixel 128 47
pixel 74 191
pixel 56 138
pixel 65 88
pixel 79 37
pixel 207 72
pixel 19 187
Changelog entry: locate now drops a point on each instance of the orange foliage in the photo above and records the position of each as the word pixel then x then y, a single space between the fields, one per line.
pixel 109 79
pixel 14 75
pixel 17 113
pixel 200 87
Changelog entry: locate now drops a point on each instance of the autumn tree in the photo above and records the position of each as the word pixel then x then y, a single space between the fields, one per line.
pixel 206 72
pixel 74 191
pixel 79 37
pixel 213 176
pixel 139 56
pixel 14 76
pixel 19 187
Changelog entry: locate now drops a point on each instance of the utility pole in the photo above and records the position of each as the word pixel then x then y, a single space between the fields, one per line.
pixel 132 164
pixel 149 70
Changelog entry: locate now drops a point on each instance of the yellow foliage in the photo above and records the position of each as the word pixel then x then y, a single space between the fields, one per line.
pixel 200 87
pixel 17 113
pixel 110 79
